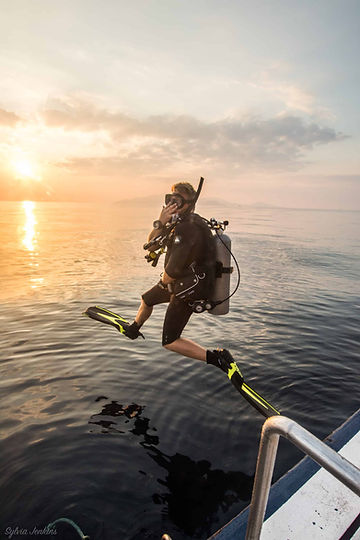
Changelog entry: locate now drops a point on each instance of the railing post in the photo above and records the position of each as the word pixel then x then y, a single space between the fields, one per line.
pixel 264 471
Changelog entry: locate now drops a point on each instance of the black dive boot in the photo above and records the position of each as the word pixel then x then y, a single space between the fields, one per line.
pixel 223 359
pixel 132 331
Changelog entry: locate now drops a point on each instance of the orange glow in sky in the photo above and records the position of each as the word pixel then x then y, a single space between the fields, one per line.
pixel 140 95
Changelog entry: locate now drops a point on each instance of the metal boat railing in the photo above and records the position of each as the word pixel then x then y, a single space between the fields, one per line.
pixel 333 462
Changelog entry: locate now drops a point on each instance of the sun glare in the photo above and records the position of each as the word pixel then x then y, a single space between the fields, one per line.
pixel 24 169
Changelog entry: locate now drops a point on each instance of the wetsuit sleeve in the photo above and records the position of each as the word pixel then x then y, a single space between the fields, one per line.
pixel 184 246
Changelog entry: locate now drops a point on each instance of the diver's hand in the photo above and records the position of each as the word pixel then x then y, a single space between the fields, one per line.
pixel 167 212
pixel 165 216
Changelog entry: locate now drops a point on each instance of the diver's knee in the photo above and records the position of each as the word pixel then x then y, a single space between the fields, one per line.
pixel 169 345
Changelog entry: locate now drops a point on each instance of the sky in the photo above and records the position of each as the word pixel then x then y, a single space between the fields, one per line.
pixel 108 100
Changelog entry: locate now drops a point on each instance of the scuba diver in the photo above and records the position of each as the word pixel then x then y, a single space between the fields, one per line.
pixel 188 249
pixel 196 278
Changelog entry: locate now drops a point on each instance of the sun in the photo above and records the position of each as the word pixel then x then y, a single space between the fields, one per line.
pixel 24 169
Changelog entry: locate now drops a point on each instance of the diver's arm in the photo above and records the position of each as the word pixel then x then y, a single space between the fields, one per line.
pixel 165 216
pixel 153 234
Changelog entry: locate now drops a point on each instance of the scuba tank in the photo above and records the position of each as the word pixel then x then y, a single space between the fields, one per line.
pixel 217 301
pixel 221 291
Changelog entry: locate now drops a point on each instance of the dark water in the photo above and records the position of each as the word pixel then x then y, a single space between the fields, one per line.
pixel 127 439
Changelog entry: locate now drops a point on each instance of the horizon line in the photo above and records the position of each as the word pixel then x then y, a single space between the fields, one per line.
pixel 259 205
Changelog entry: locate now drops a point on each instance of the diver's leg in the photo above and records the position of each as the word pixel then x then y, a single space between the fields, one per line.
pixel 156 295
pixel 188 348
pixel 143 313
pixel 177 316
pixel 221 358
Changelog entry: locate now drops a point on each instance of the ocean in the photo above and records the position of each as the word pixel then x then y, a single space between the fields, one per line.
pixel 125 438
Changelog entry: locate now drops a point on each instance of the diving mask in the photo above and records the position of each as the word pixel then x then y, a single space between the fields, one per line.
pixel 175 198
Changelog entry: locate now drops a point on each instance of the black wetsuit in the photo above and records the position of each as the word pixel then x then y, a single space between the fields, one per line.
pixel 188 245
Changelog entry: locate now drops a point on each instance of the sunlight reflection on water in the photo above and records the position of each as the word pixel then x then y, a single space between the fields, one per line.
pixel 29 239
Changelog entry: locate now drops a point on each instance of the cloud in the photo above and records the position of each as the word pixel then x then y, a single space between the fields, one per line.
pixel 279 143
pixel 94 152
pixel 8 118
pixel 276 87
pixel 292 97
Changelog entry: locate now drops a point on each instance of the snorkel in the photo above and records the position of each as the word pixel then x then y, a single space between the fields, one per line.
pixel 195 199
pixel 197 195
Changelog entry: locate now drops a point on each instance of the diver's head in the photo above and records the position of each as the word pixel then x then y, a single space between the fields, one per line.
pixel 183 195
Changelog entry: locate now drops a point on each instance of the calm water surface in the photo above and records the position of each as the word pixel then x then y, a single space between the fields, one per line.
pixel 125 438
